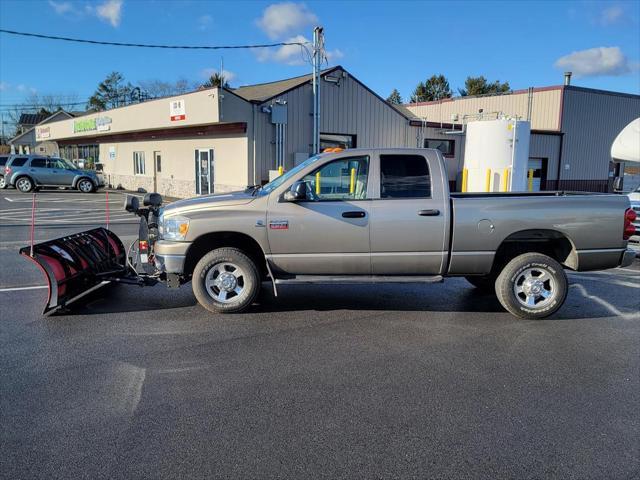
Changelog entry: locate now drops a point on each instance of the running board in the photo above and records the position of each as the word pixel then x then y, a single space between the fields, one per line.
pixel 358 279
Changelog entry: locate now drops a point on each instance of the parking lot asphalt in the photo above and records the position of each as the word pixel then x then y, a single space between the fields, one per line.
pixel 395 381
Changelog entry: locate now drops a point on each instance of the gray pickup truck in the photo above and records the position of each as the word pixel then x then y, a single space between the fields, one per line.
pixel 386 215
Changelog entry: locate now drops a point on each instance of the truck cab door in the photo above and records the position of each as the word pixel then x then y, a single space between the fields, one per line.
pixel 327 232
pixel 410 214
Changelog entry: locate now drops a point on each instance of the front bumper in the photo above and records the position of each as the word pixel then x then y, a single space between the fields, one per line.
pixel 627 257
pixel 170 256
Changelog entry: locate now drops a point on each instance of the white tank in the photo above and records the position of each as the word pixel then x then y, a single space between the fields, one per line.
pixel 501 146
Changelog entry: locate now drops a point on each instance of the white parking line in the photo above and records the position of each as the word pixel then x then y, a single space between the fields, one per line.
pixel 8 199
pixel 17 289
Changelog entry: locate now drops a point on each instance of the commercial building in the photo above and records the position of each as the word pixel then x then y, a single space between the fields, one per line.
pixel 221 139
pixel 572 129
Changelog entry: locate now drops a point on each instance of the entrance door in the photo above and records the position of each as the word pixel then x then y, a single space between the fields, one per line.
pixel 204 171
pixel 539 167
pixel 157 168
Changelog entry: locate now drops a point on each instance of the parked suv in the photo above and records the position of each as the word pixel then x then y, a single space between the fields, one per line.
pixel 3 162
pixel 27 172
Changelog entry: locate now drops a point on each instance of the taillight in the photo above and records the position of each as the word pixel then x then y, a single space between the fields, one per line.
pixel 629 229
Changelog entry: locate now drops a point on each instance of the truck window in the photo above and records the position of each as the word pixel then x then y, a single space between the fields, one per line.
pixel 342 179
pixel 404 176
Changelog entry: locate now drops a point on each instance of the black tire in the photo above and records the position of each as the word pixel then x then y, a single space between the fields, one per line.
pixel 484 283
pixel 90 186
pixel 533 274
pixel 24 184
pixel 3 185
pixel 204 275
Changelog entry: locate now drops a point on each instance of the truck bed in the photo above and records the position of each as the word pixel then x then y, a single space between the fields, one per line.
pixel 589 226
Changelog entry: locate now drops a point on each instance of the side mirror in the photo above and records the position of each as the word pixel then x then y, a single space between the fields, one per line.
pixel 152 199
pixel 131 204
pixel 297 192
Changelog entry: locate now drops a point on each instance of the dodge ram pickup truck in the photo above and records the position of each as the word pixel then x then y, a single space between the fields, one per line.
pixel 352 216
pixel 386 215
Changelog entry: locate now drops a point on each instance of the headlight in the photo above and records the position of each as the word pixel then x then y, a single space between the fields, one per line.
pixel 173 228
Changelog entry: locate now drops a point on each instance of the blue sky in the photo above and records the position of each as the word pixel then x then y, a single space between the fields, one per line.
pixel 385 44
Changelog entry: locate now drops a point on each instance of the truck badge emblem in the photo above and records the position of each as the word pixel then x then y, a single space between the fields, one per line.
pixel 279 224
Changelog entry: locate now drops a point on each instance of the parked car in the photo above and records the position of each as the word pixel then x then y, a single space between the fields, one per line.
pixel 3 163
pixel 28 172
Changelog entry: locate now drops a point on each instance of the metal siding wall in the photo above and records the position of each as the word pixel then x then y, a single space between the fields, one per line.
pixel 591 121
pixel 546 146
pixel 545 111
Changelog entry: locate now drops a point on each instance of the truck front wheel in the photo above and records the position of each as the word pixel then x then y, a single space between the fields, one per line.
pixel 225 280
pixel 532 286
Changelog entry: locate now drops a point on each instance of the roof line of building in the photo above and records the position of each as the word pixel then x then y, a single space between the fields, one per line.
pixel 523 91
pixel 57 112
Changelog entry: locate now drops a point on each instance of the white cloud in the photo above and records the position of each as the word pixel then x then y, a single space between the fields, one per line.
pixel 294 54
pixel 287 54
pixel 611 15
pixel 4 86
pixel 21 87
pixel 61 7
pixel 282 19
pixel 110 11
pixel 228 76
pixel 204 22
pixel 597 61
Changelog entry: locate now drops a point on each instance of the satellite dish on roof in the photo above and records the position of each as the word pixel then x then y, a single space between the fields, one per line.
pixel 626 146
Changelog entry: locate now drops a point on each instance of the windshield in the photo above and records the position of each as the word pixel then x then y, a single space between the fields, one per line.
pixel 271 186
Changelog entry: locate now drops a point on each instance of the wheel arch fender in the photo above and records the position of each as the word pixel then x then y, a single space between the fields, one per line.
pixel 553 243
pixel 79 177
pixel 213 240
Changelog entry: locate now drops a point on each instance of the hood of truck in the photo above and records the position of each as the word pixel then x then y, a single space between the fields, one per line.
pixel 208 201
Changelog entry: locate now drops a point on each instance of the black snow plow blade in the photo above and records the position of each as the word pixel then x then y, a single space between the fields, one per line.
pixel 78 264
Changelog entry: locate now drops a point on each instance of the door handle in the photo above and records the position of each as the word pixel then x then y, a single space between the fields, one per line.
pixel 434 212
pixel 355 214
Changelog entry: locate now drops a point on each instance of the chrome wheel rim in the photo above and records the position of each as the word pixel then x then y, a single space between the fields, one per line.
pixel 1 182
pixel 535 288
pixel 85 186
pixel 24 185
pixel 225 282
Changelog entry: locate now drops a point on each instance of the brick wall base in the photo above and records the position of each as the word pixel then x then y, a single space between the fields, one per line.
pixel 166 186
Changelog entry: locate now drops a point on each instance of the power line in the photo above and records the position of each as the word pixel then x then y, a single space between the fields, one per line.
pixel 146 45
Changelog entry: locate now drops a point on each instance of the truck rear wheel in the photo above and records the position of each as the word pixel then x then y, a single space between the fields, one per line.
pixel 484 283
pixel 532 286
pixel 225 280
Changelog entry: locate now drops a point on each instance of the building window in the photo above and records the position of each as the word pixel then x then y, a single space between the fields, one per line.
pixel 138 163
pixel 447 147
pixel 336 140
pixel 404 176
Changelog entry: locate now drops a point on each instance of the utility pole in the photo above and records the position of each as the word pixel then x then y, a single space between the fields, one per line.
pixel 318 55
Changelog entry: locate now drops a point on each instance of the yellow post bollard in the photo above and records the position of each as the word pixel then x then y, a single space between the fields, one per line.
pixel 318 183
pixel 531 179
pixel 505 179
pixel 465 179
pixel 352 183
pixel 280 170
pixel 487 182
